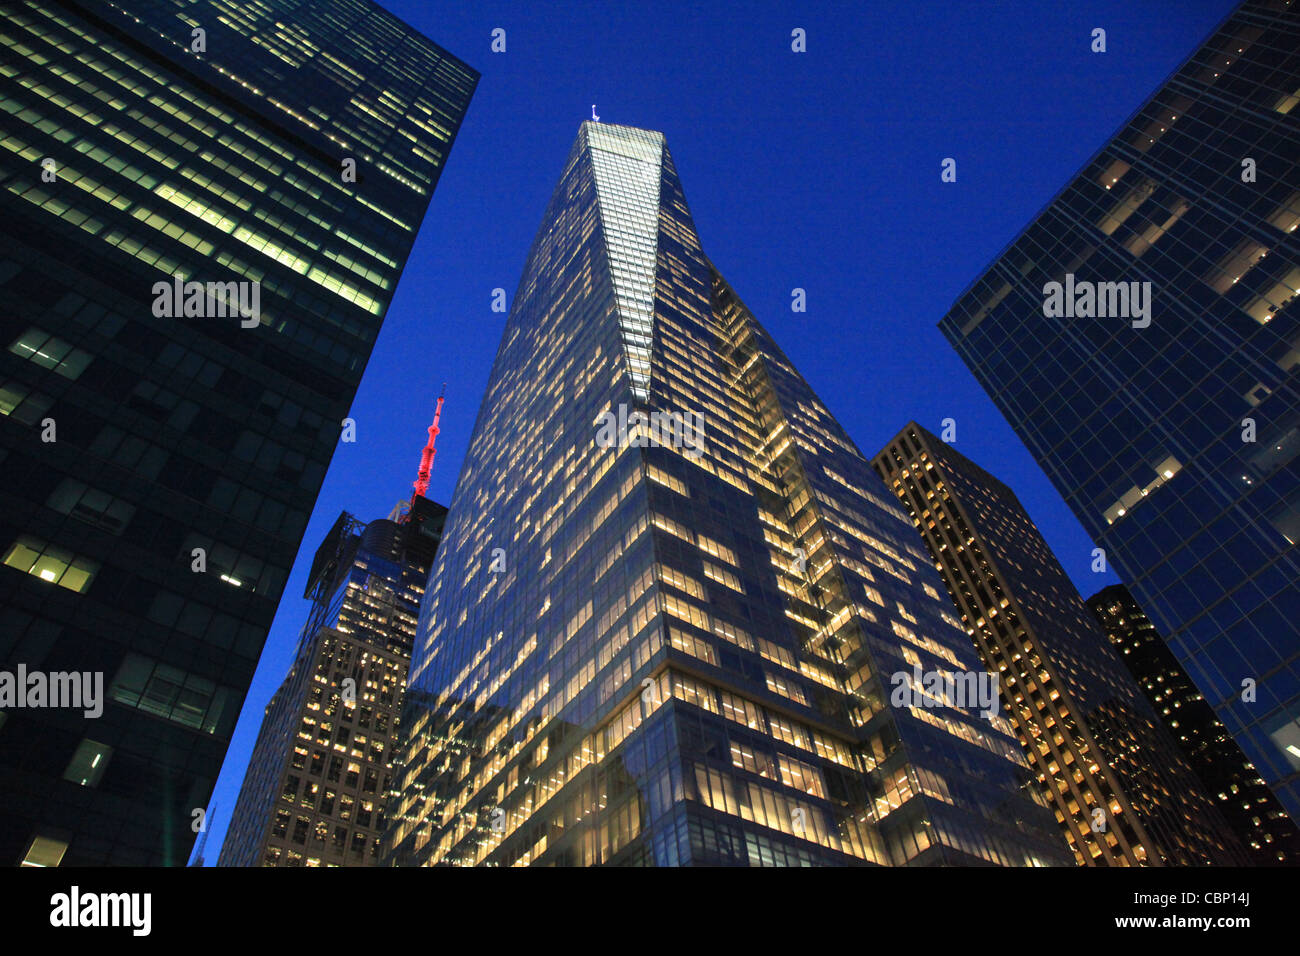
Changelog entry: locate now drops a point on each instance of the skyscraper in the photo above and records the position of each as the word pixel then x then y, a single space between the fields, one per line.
pixel 314 789
pixel 1142 336
pixel 672 597
pixel 1245 801
pixel 207 206
pixel 1122 790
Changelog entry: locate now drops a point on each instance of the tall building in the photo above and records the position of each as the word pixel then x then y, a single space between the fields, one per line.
pixel 313 793
pixel 206 208
pixel 1123 793
pixel 1247 804
pixel 1142 337
pixel 672 597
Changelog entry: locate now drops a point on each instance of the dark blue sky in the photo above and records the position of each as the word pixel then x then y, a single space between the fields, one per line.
pixel 817 170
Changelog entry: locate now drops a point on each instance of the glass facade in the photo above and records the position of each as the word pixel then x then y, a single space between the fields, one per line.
pixel 1245 801
pixel 314 791
pixel 674 644
pixel 1167 409
pixel 1123 792
pixel 162 451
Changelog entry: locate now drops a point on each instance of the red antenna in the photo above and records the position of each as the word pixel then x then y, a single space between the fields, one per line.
pixel 426 458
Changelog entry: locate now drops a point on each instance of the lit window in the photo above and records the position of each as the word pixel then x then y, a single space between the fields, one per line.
pixel 88 764
pixel 44 851
pixel 50 352
pixel 52 564
pixel 19 401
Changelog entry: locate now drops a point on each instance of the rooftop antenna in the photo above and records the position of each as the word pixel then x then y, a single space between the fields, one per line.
pixel 593 113
pixel 426 458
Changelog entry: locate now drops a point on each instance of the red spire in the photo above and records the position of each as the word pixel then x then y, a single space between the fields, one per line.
pixel 426 458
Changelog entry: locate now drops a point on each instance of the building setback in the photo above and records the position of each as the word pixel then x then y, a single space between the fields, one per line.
pixel 672 597
pixel 162 452
pixel 314 790
pixel 1244 799
pixel 1123 792
pixel 1142 337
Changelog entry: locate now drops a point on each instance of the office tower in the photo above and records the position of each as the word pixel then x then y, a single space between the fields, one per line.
pixel 314 789
pixel 664 622
pixel 206 209
pixel 1142 337
pixel 1246 803
pixel 1123 793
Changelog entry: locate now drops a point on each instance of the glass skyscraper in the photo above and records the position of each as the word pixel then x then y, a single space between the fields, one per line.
pixel 1142 336
pixel 674 607
pixel 206 207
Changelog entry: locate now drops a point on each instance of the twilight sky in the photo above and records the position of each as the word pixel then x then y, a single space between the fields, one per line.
pixel 818 170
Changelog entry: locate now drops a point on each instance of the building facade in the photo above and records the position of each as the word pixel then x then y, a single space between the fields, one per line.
pixel 1142 337
pixel 313 794
pixel 206 208
pixel 1123 793
pixel 673 598
pixel 1245 801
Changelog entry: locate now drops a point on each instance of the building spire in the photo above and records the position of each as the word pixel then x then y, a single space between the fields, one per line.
pixel 593 113
pixel 426 458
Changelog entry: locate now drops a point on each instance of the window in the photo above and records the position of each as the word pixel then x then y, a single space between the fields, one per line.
pixel 88 763
pixel 90 505
pixel 171 693
pixel 50 352
pixel 23 404
pixel 53 564
pixel 44 851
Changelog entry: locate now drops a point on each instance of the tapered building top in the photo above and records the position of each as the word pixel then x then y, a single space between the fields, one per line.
pixel 626 163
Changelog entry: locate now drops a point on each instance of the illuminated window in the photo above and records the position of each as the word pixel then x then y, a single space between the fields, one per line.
pixel 50 352
pixel 88 763
pixel 23 404
pixel 44 851
pixel 53 564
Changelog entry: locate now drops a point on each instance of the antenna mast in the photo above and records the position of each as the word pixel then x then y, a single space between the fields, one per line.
pixel 426 458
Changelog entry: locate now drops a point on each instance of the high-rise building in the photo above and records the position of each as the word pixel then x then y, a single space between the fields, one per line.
pixel 1123 793
pixel 206 208
pixel 1142 337
pixel 313 794
pixel 1247 804
pixel 672 597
